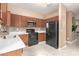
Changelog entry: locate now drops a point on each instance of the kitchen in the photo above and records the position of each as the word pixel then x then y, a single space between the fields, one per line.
pixel 21 27
pixel 25 25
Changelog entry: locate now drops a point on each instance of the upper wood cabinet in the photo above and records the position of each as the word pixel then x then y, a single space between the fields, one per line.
pixel 18 20
pixel 12 19
pixel 3 7
pixel 8 23
pixel 15 20
pixel 3 12
pixel 23 21
pixel 52 18
pixel 40 23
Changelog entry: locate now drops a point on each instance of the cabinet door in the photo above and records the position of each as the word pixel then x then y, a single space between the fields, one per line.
pixel 15 20
pixel 41 37
pixel 23 21
pixel 8 19
pixel 4 17
pixel 40 23
pixel 3 7
pixel 24 38
pixel 18 21
pixel 44 23
pixel 3 12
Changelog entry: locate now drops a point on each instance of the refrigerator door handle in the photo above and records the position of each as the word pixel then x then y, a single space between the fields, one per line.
pixel 47 25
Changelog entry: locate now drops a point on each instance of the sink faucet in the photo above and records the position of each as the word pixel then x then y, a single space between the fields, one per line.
pixel 4 37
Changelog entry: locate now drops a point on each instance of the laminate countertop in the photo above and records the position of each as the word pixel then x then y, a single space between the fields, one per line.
pixel 10 44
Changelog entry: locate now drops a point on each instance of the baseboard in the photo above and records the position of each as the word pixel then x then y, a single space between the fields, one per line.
pixel 70 42
pixel 62 47
pixel 41 42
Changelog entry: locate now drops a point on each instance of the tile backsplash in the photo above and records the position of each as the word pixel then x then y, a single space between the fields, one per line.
pixel 24 28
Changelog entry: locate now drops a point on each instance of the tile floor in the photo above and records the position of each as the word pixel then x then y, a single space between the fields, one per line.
pixel 43 49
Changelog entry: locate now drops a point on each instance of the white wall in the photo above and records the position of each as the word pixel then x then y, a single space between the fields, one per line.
pixel 62 26
pixel 69 25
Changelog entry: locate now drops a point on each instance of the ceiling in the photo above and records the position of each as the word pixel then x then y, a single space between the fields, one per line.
pixel 44 8
pixel 74 7
pixel 40 8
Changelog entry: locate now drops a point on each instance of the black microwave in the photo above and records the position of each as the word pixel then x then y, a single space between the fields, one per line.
pixel 31 24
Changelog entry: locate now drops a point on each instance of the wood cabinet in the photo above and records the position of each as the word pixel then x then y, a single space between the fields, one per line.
pixel 3 12
pixel 52 18
pixel 40 23
pixel 41 37
pixel 13 53
pixel 8 23
pixel 24 37
pixel 15 20
pixel 3 7
pixel 23 21
pixel 18 20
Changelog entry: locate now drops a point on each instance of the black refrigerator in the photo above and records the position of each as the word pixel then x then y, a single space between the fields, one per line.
pixel 52 33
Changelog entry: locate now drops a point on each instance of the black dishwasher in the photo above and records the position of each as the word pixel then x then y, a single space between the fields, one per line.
pixel 33 37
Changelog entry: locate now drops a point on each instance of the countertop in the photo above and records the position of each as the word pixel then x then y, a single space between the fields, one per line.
pixel 19 30
pixel 10 44
pixel 23 32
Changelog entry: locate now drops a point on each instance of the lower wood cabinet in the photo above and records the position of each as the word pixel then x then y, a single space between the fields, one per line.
pixel 41 37
pixel 13 53
pixel 24 37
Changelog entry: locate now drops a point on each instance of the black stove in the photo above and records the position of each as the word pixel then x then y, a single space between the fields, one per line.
pixel 33 37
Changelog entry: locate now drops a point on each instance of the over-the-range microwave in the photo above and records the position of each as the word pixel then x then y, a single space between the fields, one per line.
pixel 31 24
